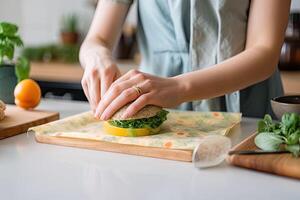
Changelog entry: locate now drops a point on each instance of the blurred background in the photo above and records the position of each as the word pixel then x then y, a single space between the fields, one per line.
pixel 53 30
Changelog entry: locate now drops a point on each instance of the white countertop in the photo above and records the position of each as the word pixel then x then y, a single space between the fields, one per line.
pixel 29 170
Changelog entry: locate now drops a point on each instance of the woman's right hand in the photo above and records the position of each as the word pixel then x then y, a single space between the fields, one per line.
pixel 95 52
pixel 100 72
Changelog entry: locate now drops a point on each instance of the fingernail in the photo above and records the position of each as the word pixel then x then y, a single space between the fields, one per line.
pixel 96 115
pixel 103 117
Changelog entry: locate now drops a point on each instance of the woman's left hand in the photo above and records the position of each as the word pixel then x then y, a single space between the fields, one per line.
pixel 141 89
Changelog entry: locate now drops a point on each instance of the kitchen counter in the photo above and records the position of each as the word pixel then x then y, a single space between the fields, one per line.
pixel 29 170
pixel 68 72
pixel 62 80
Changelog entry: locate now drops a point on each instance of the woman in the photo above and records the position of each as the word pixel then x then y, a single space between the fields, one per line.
pixel 204 55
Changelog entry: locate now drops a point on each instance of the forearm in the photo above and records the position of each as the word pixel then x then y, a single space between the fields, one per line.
pixel 267 21
pixel 104 32
pixel 247 68
pixel 94 48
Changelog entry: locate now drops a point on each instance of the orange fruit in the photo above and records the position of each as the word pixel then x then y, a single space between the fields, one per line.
pixel 27 94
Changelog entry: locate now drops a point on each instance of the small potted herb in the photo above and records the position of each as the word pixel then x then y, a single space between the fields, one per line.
pixel 69 31
pixel 10 72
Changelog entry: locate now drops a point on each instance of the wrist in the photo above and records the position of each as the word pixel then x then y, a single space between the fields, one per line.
pixel 95 55
pixel 97 60
pixel 183 88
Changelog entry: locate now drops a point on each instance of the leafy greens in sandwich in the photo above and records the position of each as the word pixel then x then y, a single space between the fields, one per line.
pixel 146 122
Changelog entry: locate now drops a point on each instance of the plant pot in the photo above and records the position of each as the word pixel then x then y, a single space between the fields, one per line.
pixel 8 82
pixel 69 37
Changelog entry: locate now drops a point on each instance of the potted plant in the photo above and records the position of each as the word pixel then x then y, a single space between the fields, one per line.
pixel 10 72
pixel 69 31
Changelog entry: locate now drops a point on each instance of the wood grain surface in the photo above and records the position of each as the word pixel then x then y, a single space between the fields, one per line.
pixel 280 164
pixel 170 154
pixel 18 120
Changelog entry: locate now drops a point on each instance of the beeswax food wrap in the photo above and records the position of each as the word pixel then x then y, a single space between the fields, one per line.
pixel 182 130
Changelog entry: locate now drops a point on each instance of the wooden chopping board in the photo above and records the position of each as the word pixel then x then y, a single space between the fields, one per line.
pixel 18 120
pixel 280 164
pixel 179 134
pixel 154 152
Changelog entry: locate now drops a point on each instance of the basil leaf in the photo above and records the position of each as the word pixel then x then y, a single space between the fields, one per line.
pixel 9 40
pixel 293 138
pixel 268 119
pixel 294 149
pixel 289 123
pixel 262 127
pixel 8 29
pixel 22 69
pixel 268 141
pixel 267 125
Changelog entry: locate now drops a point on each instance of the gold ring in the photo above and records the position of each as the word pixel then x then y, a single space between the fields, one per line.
pixel 138 90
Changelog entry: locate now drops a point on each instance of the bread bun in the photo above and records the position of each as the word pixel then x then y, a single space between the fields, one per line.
pixel 2 109
pixel 2 105
pixel 146 112
pixel 2 114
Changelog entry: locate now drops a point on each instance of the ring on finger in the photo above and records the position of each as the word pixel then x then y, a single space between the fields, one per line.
pixel 138 90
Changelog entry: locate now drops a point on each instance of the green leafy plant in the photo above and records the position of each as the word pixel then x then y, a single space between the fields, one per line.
pixel 52 52
pixel 68 53
pixel 9 39
pixel 276 135
pixel 22 68
pixel 70 23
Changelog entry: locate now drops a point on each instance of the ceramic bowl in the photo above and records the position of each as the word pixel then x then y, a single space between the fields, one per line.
pixel 283 104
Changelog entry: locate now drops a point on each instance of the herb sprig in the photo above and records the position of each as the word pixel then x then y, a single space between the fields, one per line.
pixel 276 135
pixel 9 40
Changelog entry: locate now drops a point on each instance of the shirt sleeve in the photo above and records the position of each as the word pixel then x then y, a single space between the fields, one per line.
pixel 122 1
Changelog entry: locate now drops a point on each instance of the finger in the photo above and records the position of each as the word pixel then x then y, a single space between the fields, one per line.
pixel 127 76
pixel 124 98
pixel 118 75
pixel 114 91
pixel 93 87
pixel 106 81
pixel 92 101
pixel 95 92
pixel 85 89
pixel 137 105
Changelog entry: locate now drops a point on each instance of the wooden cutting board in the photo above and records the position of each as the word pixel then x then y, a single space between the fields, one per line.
pixel 179 134
pixel 163 153
pixel 18 120
pixel 280 164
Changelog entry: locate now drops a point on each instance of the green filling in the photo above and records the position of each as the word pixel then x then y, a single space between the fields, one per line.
pixel 151 122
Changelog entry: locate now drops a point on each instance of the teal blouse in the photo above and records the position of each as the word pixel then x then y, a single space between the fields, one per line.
pixel 179 36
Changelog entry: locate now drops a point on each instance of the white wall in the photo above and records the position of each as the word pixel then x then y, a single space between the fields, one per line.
pixel 39 20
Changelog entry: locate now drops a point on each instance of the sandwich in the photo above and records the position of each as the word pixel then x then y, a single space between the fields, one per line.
pixel 2 109
pixel 146 122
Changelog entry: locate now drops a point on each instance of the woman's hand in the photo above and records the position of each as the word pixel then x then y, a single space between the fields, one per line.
pixel 95 52
pixel 100 72
pixel 164 92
